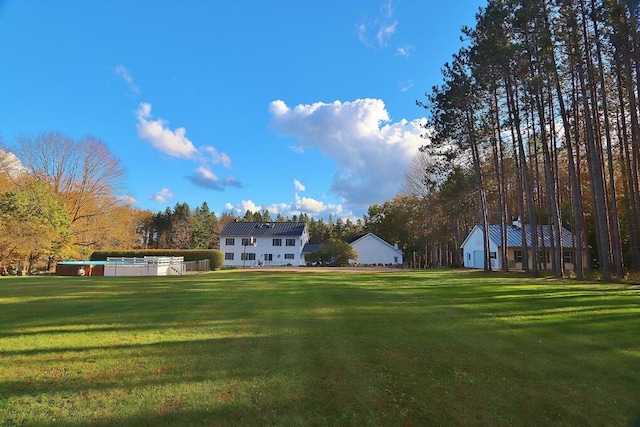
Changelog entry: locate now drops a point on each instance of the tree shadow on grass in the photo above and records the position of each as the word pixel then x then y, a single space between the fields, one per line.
pixel 373 349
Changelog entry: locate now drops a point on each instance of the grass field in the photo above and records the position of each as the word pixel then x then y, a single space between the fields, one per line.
pixel 294 348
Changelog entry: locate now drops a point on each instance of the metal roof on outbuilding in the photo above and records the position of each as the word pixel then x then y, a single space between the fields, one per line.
pixel 514 235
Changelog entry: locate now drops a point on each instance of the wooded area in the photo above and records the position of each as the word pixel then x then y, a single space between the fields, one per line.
pixel 541 108
pixel 59 200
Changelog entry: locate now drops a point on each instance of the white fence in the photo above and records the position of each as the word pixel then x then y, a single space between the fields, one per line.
pixel 147 266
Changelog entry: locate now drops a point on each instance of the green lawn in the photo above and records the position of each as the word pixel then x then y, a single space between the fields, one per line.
pixel 293 348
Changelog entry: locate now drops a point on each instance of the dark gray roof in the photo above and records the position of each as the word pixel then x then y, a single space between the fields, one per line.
pixel 262 229
pixel 356 237
pixel 514 235
pixel 311 247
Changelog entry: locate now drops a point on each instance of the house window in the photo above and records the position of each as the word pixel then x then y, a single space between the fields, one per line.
pixel 493 255
pixel 395 259
pixel 567 257
pixel 469 256
pixel 291 242
pixel 246 241
pixel 228 256
pixel 230 241
pixel 248 256
pixel 268 257
pixel 517 255
pixel 277 242
pixel 289 256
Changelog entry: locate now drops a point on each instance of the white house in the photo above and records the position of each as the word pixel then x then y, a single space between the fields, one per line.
pixel 473 246
pixel 372 250
pixel 248 244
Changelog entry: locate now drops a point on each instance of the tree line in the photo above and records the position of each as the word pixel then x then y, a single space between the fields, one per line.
pixel 540 108
pixel 181 227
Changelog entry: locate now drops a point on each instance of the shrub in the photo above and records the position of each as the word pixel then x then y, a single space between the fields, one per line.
pixel 334 253
pixel 217 259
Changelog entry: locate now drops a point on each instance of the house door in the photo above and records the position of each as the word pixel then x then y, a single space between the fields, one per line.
pixel 478 259
pixel 493 259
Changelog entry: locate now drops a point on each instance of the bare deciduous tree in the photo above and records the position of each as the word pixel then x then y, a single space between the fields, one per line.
pixel 83 173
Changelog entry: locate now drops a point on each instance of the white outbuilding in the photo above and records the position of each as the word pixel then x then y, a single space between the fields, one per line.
pixel 372 250
pixel 517 233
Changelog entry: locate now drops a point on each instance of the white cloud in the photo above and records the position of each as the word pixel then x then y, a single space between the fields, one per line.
pixel 243 206
pixel 318 208
pixel 248 205
pixel 121 71
pixel 372 153
pixel 176 144
pixel 312 206
pixel 387 9
pixel 385 32
pixel 405 51
pixel 405 86
pixel 172 142
pixel 378 31
pixel 162 196
pixel 206 178
pixel 217 157
pixel 306 205
pixel 11 164
pixel 362 29
pixel 128 200
pixel 298 185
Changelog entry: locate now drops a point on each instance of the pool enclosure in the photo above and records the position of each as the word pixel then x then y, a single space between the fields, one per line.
pixel 117 266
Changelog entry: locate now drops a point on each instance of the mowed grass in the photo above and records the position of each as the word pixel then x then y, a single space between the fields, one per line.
pixel 407 348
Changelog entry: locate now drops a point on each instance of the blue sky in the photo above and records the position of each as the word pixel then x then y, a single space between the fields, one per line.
pixel 290 106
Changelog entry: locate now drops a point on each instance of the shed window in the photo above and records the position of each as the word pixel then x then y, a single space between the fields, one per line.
pixel 544 257
pixel 567 257
pixel 517 255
